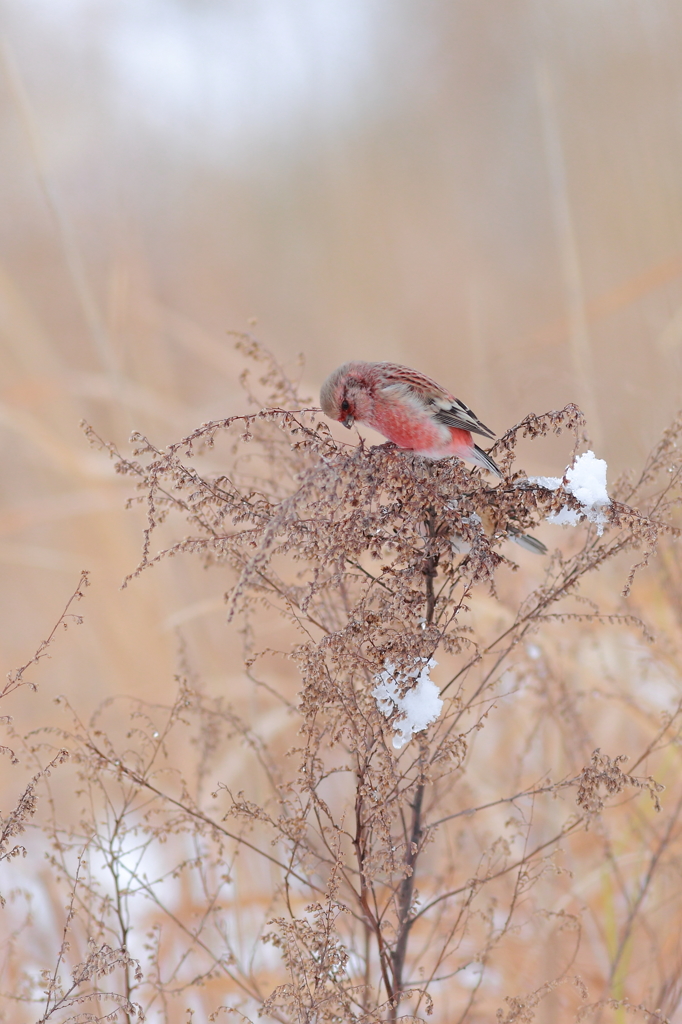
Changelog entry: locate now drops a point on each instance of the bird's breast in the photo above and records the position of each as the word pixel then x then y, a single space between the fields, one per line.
pixel 410 427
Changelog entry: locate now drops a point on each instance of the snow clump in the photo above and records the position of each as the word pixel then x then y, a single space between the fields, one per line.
pixel 586 481
pixel 420 706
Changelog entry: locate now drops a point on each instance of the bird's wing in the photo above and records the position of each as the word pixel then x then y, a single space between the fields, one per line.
pixel 444 407
pixel 454 413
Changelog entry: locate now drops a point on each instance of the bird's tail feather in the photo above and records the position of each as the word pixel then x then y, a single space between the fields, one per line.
pixel 482 458
pixel 524 540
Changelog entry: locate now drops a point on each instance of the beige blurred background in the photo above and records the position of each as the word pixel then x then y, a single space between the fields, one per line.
pixel 489 190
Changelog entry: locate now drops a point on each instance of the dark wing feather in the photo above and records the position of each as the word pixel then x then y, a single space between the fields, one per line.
pixel 456 414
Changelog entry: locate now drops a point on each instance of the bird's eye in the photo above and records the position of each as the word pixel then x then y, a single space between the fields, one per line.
pixel 345 405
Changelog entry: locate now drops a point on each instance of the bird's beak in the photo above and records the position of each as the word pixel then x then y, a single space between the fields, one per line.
pixel 349 421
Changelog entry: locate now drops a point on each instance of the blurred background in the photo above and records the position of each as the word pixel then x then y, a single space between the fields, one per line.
pixel 488 190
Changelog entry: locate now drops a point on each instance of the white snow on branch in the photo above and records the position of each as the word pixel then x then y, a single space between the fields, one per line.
pixel 565 517
pixel 420 706
pixel 586 481
pixel 552 483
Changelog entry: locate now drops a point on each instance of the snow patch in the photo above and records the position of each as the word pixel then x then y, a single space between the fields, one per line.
pixel 564 517
pixel 552 483
pixel 420 706
pixel 586 481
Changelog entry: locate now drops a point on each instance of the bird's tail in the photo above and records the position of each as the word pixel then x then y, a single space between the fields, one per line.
pixel 482 458
pixel 524 540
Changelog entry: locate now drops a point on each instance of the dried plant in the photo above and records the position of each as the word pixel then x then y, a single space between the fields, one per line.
pixel 14 823
pixel 365 873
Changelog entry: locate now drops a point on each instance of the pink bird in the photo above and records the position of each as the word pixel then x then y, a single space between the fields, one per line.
pixel 413 412
pixel 408 408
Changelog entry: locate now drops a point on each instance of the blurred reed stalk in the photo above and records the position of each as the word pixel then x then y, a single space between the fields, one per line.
pixel 579 335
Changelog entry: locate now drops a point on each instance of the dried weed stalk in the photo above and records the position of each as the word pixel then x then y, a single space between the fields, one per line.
pixel 15 822
pixel 362 869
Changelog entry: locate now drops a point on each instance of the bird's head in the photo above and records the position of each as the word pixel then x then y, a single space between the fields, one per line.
pixel 347 394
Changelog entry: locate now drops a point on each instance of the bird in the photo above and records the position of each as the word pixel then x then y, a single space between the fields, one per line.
pixel 408 408
pixel 412 411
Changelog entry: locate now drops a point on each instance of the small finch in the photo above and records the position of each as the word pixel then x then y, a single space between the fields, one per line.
pixel 408 408
pixel 413 412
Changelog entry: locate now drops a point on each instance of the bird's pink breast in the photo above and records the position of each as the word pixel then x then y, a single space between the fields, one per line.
pixel 408 427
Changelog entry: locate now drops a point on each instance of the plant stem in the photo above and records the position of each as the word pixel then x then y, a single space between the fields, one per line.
pixel 406 890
